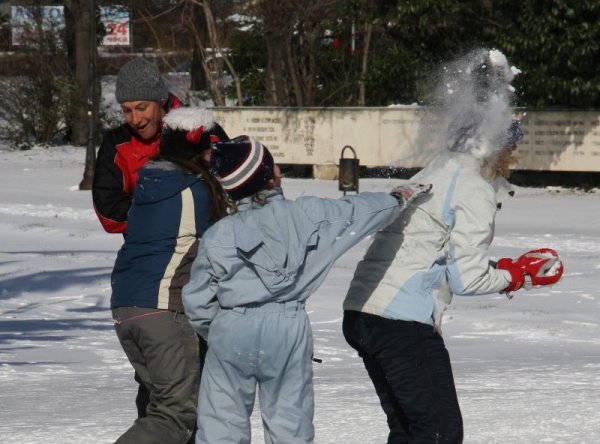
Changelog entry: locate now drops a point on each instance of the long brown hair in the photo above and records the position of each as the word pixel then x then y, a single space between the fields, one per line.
pixel 499 164
pixel 200 167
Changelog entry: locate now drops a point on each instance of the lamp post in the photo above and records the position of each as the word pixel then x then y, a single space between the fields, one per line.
pixel 90 154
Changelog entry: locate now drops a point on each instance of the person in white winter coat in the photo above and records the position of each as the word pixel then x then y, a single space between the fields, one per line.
pixel 249 282
pixel 393 308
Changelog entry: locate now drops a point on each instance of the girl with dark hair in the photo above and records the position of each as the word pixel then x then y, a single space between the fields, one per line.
pixel 249 283
pixel 175 200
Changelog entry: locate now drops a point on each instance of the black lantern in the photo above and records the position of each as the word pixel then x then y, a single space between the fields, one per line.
pixel 348 175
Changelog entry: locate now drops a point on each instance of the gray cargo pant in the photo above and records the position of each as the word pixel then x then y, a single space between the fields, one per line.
pixel 165 352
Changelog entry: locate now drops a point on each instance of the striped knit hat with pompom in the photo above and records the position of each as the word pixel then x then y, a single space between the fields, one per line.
pixel 243 165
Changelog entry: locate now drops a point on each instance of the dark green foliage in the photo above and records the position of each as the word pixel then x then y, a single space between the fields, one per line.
pixel 425 34
pixel 337 68
pixel 394 77
pixel 249 58
pixel 556 43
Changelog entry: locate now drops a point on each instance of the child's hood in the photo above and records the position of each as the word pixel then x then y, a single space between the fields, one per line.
pixel 275 239
pixel 160 180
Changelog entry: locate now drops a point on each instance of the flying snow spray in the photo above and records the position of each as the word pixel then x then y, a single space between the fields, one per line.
pixel 471 102
pixel 475 96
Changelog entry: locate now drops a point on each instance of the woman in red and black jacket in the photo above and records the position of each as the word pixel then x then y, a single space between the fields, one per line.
pixel 145 100
pixel 175 200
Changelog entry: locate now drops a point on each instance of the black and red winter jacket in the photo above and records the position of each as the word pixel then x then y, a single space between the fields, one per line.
pixel 121 155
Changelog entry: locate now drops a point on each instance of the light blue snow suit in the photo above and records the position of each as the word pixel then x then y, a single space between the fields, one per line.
pixel 253 272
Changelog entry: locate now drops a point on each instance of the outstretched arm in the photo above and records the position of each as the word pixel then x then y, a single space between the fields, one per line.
pixel 352 218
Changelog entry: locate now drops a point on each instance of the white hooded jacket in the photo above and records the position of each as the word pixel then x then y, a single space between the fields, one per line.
pixel 415 265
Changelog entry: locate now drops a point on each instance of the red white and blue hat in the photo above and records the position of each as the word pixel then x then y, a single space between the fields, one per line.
pixel 243 165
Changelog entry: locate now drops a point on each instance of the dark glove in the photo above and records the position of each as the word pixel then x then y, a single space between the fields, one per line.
pixel 406 194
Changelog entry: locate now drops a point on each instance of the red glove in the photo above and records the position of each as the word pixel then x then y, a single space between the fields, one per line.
pixel 541 267
pixel 517 277
pixel 536 267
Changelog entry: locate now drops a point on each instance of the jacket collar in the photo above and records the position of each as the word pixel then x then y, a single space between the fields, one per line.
pixel 270 194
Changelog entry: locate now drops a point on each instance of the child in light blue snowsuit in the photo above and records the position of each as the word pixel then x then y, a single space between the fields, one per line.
pixel 249 283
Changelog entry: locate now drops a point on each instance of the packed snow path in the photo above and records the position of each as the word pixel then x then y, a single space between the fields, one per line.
pixel 527 370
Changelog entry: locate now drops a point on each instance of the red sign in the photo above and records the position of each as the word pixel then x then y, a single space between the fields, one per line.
pixel 116 25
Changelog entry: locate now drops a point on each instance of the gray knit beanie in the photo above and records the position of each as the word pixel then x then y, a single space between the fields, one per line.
pixel 139 79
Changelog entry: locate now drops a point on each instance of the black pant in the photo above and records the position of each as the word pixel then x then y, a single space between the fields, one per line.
pixel 410 369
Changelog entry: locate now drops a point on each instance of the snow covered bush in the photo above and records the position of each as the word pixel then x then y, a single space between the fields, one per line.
pixel 36 106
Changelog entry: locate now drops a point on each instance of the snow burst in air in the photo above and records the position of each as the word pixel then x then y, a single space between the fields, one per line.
pixel 475 95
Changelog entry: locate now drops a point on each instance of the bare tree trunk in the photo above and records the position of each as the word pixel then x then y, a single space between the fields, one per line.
pixel 292 28
pixel 219 54
pixel 190 20
pixel 276 91
pixel 216 61
pixel 79 11
pixel 312 73
pixel 237 80
pixel 293 70
pixel 362 88
pixel 197 72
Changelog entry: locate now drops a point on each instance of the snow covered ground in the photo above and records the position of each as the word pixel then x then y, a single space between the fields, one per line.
pixel 527 369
